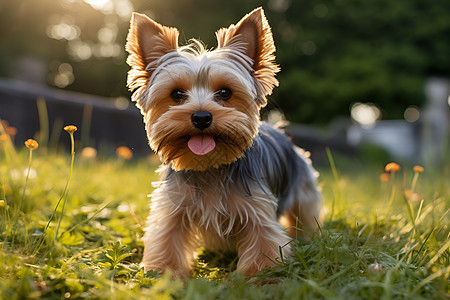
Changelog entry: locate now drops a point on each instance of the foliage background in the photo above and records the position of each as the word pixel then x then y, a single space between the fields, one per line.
pixel 332 52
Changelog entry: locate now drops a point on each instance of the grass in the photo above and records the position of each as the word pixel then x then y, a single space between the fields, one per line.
pixel 379 239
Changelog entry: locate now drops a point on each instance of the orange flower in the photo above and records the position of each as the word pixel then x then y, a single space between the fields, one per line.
pixel 89 153
pixel 411 196
pixel 392 167
pixel 384 177
pixel 31 144
pixel 70 128
pixel 124 152
pixel 418 169
pixel 4 137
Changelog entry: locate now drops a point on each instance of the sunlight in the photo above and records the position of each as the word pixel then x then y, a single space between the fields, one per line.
pixel 103 5
pixel 123 8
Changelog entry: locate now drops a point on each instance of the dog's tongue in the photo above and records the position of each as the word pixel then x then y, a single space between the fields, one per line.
pixel 201 144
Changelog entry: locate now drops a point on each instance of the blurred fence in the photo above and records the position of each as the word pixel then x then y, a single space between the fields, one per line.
pixel 102 123
pixel 41 112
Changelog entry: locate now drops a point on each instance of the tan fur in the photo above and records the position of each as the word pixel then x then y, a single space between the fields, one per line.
pixel 168 125
pixel 181 219
pixel 221 217
pixel 149 43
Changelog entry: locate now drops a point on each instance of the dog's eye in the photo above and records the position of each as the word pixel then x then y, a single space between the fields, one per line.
pixel 178 95
pixel 223 94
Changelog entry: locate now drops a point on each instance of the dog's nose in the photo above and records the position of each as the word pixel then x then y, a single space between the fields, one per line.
pixel 201 119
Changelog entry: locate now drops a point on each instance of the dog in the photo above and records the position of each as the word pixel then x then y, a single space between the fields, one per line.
pixel 227 178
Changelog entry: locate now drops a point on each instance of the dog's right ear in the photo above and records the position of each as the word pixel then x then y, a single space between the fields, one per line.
pixel 147 41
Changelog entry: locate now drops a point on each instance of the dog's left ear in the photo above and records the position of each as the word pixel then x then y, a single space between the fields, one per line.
pixel 252 37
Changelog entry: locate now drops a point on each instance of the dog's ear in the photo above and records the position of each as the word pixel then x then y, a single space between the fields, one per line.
pixel 147 41
pixel 253 38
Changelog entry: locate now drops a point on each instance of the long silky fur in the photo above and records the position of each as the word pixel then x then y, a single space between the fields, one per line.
pixel 271 166
pixel 215 206
pixel 232 197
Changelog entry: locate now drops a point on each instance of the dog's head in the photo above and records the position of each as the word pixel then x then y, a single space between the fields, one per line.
pixel 201 108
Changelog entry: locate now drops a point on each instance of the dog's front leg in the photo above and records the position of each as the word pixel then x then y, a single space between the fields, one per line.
pixel 168 242
pixel 260 240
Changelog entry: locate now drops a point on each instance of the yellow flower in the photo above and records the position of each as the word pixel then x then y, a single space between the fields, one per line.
pixel 418 169
pixel 124 152
pixel 2 203
pixel 392 167
pixel 70 128
pixel 31 144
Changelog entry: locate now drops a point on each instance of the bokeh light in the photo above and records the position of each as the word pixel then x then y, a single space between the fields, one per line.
pixel 62 75
pixel 108 33
pixel 412 113
pixel 365 114
pixel 63 27
pixel 121 103
pixel 321 10
pixel 309 48
pixel 124 9
pixel 107 50
pixel 275 115
pixel 279 6
pixel 79 50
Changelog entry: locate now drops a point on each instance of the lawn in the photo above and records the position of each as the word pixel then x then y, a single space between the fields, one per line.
pixel 76 233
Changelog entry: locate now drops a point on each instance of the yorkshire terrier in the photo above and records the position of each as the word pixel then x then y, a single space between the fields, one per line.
pixel 227 179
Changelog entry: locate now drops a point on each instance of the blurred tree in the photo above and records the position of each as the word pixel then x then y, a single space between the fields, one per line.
pixel 332 52
pixel 335 52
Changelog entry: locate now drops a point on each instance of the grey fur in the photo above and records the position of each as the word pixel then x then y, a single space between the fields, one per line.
pixel 272 162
